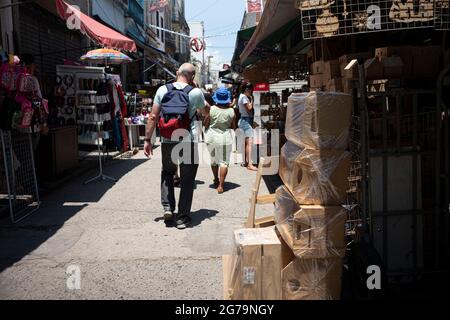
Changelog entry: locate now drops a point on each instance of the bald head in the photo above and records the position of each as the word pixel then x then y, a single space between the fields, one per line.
pixel 186 73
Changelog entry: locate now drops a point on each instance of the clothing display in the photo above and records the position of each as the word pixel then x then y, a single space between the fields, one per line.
pixel 22 104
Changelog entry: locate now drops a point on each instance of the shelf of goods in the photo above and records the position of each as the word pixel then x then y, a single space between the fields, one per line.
pixel 82 81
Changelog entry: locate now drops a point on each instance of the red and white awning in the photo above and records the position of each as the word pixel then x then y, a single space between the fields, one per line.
pixel 101 34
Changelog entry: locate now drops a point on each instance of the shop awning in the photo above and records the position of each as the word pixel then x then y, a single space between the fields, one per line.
pixel 242 39
pixel 279 17
pixel 98 32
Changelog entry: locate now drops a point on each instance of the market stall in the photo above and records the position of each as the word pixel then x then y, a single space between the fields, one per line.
pixel 381 156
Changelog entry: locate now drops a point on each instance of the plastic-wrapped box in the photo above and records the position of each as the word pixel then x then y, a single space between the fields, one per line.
pixel 315 177
pixel 313 279
pixel 285 208
pixel 319 232
pixel 255 268
pixel 319 120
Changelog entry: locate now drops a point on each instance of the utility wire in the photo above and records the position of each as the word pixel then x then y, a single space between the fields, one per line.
pixel 203 11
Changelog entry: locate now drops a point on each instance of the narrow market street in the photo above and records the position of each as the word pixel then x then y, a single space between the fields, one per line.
pixel 115 234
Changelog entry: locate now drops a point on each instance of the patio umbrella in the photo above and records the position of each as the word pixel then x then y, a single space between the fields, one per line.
pixel 107 56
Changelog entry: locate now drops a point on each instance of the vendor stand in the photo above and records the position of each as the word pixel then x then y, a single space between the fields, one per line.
pixel 398 187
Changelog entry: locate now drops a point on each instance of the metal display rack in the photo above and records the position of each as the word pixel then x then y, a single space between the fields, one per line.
pixel 19 189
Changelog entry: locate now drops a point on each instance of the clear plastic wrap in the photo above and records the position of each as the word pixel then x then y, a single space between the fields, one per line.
pixel 319 120
pixel 315 177
pixel 319 232
pixel 285 209
pixel 313 279
pixel 311 232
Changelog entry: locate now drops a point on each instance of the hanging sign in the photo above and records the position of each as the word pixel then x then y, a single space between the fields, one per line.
pixel 197 45
pixel 254 6
pixel 326 18
pixel 156 5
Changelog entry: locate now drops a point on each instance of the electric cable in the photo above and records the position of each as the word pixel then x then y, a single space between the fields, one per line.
pixel 203 11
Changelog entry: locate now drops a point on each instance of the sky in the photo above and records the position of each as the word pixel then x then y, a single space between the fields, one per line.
pixel 219 17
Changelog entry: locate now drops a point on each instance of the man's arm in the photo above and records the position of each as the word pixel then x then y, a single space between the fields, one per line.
pixel 151 125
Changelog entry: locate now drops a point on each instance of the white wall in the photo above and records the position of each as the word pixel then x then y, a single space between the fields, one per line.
pixel 197 30
pixel 112 12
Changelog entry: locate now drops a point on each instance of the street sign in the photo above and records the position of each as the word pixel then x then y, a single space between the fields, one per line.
pixel 197 45
pixel 326 18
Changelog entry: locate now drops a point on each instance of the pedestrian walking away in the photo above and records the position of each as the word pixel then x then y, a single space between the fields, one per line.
pixel 219 137
pixel 175 106
pixel 245 104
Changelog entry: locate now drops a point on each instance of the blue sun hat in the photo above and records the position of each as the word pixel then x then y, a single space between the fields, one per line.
pixel 222 96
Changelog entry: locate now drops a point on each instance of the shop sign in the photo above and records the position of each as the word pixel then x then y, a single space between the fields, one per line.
pixel 326 18
pixel 262 87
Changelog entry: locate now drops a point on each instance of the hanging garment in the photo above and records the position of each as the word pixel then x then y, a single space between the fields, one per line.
pixel 117 133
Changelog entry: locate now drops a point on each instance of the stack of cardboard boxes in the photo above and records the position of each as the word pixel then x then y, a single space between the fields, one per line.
pixel 308 212
pixel 387 63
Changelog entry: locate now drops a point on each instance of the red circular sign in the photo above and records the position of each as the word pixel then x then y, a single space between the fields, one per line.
pixel 197 45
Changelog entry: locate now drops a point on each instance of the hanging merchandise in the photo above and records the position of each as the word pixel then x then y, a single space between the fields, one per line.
pixel 9 75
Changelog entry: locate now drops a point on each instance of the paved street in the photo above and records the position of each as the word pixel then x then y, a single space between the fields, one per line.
pixel 115 234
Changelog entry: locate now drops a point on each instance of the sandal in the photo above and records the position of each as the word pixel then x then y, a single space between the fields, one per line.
pixel 220 190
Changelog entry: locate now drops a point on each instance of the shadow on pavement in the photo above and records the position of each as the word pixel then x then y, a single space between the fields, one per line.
pixel 228 186
pixel 19 240
pixel 199 216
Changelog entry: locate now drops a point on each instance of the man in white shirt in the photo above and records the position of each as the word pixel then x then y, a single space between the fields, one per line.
pixel 188 171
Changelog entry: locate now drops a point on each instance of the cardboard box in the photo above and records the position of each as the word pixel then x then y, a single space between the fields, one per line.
pixel 313 279
pixel 316 81
pixel 319 120
pixel 404 52
pixel 373 69
pixel 256 266
pixel 285 208
pixel 319 232
pixel 392 67
pixel 426 62
pixel 329 68
pixel 315 177
pixel 345 60
pixel 335 85
pixel 348 85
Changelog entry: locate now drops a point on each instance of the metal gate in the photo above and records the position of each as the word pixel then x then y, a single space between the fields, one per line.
pixel 406 201
pixel 18 186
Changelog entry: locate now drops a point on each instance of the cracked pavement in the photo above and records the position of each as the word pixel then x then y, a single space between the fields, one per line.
pixel 115 234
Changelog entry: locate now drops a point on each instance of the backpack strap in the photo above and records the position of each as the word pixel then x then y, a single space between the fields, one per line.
pixel 188 89
pixel 170 87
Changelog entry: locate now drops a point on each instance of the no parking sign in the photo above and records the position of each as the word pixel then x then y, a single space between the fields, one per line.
pixel 197 45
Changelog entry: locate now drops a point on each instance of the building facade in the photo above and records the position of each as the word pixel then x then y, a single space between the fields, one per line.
pixel 180 25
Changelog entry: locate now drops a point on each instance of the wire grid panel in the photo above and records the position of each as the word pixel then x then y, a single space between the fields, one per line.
pixel 327 18
pixel 21 192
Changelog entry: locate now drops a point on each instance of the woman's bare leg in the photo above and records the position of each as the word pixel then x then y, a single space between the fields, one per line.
pixel 248 153
pixel 223 176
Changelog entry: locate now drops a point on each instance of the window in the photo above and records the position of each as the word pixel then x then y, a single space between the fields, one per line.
pixel 162 32
pixel 157 23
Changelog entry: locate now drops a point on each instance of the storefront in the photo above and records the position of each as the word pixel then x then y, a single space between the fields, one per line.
pixel 397 191
pixel 69 102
